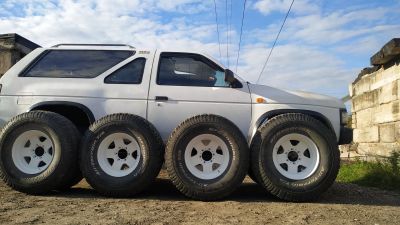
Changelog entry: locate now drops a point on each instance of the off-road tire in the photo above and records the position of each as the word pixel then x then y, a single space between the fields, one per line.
pixel 151 149
pixel 60 171
pixel 75 176
pixel 201 189
pixel 252 176
pixel 272 180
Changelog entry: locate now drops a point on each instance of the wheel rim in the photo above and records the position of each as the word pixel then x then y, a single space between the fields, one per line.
pixel 32 152
pixel 296 156
pixel 118 154
pixel 207 156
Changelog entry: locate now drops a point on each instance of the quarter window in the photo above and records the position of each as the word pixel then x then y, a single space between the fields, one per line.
pixel 131 73
pixel 75 63
pixel 189 70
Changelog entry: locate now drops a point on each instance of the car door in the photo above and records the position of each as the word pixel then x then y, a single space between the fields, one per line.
pixel 186 84
pixel 126 88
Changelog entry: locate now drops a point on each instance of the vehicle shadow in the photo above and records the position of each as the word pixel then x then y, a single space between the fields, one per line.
pixel 249 192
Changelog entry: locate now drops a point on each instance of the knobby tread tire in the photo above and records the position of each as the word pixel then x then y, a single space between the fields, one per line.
pixel 75 176
pixel 220 190
pixel 280 186
pixel 150 165
pixel 59 171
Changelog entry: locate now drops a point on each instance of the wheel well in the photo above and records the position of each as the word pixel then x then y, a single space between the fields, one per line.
pixel 77 113
pixel 316 115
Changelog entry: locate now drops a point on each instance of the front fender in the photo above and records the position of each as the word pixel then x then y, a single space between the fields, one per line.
pixel 262 112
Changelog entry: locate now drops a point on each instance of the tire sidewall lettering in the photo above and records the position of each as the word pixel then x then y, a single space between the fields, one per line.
pixel 182 168
pixel 309 183
pixel 104 133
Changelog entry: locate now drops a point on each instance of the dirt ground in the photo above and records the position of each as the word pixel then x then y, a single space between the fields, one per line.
pixel 162 204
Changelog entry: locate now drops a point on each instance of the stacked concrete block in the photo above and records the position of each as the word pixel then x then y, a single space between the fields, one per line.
pixel 375 98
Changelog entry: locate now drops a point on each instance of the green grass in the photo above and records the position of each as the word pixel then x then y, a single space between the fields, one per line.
pixel 383 174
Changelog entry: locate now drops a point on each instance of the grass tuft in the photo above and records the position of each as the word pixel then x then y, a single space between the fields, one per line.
pixel 384 174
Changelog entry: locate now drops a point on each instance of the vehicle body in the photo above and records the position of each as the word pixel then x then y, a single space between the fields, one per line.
pixel 23 94
pixel 162 103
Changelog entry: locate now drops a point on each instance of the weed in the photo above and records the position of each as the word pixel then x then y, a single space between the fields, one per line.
pixel 383 173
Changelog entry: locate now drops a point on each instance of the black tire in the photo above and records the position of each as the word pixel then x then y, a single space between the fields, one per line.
pixel 75 175
pixel 252 176
pixel 279 185
pixel 207 189
pixel 61 131
pixel 75 179
pixel 150 160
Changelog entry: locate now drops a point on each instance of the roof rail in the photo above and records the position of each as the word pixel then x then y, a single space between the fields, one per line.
pixel 112 45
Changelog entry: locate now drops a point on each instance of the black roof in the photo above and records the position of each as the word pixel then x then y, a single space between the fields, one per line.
pixel 20 40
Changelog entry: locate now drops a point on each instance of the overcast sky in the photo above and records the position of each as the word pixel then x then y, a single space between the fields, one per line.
pixel 323 45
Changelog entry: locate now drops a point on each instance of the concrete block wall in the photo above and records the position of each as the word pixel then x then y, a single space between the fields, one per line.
pixel 375 107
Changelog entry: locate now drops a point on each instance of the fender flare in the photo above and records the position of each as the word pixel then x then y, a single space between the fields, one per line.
pixel 270 114
pixel 80 106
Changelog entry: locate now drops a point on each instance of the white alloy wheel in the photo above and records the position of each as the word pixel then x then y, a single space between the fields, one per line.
pixel 32 152
pixel 296 156
pixel 118 154
pixel 207 156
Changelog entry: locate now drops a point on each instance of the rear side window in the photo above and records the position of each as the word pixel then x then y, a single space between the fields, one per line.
pixel 131 73
pixel 75 63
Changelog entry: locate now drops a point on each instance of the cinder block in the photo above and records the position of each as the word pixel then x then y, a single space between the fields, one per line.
pixel 384 77
pixel 386 113
pixel 363 85
pixel 354 120
pixel 398 85
pixel 365 100
pixel 397 131
pixel 388 92
pixel 387 133
pixel 364 118
pixel 377 149
pixel 366 135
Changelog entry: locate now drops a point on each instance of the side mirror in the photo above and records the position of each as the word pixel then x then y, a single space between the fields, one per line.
pixel 230 78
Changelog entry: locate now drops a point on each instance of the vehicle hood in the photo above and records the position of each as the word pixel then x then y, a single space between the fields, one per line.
pixel 279 96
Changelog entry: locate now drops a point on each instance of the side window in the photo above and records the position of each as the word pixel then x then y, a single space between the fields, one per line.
pixel 75 63
pixel 131 73
pixel 189 70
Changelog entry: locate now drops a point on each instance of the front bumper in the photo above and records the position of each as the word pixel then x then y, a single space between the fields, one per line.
pixel 346 135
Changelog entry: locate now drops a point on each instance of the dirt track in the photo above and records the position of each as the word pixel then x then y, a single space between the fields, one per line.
pixel 162 204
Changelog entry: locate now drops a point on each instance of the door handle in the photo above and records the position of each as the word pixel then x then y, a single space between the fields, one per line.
pixel 161 98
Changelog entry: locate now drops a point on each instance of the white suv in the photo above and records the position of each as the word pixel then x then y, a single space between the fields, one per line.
pixel 112 112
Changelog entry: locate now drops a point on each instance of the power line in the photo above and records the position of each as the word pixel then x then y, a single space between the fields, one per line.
pixel 230 30
pixel 227 32
pixel 240 36
pixel 276 39
pixel 216 22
